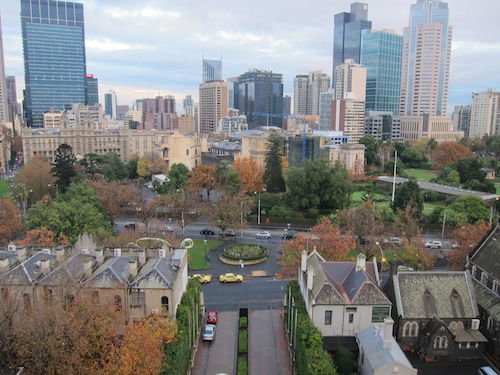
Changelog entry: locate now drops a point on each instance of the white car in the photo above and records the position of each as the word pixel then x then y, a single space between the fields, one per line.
pixel 433 244
pixel 263 235
pixel 209 332
pixel 394 240
pixel 455 245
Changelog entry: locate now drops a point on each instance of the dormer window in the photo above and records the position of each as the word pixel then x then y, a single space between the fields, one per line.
pixel 484 278
pixel 496 287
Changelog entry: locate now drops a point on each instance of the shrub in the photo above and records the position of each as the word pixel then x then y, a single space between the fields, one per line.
pixel 245 252
pixel 242 365
pixel 243 322
pixel 243 341
pixel 312 213
pixel 281 210
pixel 345 361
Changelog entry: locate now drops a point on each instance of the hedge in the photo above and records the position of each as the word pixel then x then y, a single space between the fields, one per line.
pixel 178 353
pixel 311 357
pixel 227 253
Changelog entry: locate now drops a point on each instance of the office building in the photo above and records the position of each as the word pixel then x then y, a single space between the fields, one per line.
pixel 348 27
pixel 381 55
pixel 121 111
pixel 350 78
pixel 300 87
pixel 287 105
pixel 157 113
pixel 232 124
pixel 213 105
pixel 186 124
pixel 91 90
pixel 439 128
pixel 461 118
pixel 12 106
pixel 426 60
pixel 212 70
pixel 75 116
pixel 188 105
pixel 325 109
pixel 232 92
pixel 307 90
pixel 110 105
pixel 348 116
pixel 54 56
pixel 485 114
pixel 383 126
pixel 261 98
pixel 4 108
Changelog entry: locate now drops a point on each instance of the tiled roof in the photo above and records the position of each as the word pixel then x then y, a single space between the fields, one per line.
pixel 487 300
pixel 28 271
pixel 487 256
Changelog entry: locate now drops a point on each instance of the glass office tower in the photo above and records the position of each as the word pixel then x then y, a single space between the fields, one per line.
pixel 92 90
pixel 212 70
pixel 54 56
pixel 381 55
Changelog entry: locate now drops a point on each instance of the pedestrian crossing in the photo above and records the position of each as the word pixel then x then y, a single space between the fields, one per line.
pixel 274 239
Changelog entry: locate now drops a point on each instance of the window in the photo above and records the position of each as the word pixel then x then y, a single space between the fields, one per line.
pixel 138 299
pixel 440 342
pixel 5 293
pixel 328 317
pixel 410 329
pixel 496 286
pixel 48 294
pixel 379 313
pixel 351 318
pixel 118 303
pixel 27 302
pixel 456 325
pixel 95 296
pixel 489 324
pixel 164 303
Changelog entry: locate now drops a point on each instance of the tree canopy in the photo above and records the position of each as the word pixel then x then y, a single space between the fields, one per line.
pixel 11 224
pixel 251 174
pixel 178 176
pixel 447 153
pixel 227 179
pixel 409 194
pixel 64 166
pixel 273 171
pixel 466 209
pixel 36 176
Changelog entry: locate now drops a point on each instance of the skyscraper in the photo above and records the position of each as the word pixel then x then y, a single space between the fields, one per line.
pixel 426 59
pixel 325 109
pixel 212 70
pixel 261 98
pixel 461 118
pixel 287 104
pixel 213 105
pixel 10 82
pixel 4 109
pixel 381 55
pixel 350 78
pixel 188 105
pixel 485 114
pixel 347 34
pixel 348 116
pixel 232 92
pixel 300 87
pixel 54 56
pixel 158 113
pixel 110 104
pixel 307 89
pixel 91 90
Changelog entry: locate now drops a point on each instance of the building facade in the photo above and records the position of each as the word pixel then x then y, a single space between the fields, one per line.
pixel 188 105
pixel 232 124
pixel 287 105
pixel 383 126
pixel 13 107
pixel 54 56
pixel 350 79
pixel 439 128
pixel 91 90
pixel 348 116
pixel 213 105
pixel 212 70
pixel 426 59
pixel 158 113
pixel 485 114
pixel 325 109
pixel 183 148
pixel 261 98
pixel 300 88
pixel 381 55
pixel 307 91
pixel 4 107
pixel 461 118
pixel 110 105
pixel 352 157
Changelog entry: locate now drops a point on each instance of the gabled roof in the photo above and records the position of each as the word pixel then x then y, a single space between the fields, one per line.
pixel 28 271
pixel 487 256
pixel 69 272
pixel 113 272
pixel 487 300
pixel 434 294
pixel 159 273
pixel 11 256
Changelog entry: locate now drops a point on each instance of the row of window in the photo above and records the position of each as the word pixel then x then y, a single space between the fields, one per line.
pixel 379 313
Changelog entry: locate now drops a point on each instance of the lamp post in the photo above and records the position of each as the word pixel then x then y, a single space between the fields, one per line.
pixel 258 213
pixel 382 260
pixel 205 243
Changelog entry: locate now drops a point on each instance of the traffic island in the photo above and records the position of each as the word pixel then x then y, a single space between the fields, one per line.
pixel 244 254
pixel 242 362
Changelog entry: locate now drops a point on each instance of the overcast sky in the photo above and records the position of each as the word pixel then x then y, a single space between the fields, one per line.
pixel 142 48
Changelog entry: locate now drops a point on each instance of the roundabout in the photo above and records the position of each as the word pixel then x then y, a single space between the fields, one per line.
pixel 246 254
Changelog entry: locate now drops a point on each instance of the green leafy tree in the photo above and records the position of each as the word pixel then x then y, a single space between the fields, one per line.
pixel 469 169
pixel 414 158
pixel 178 176
pixel 467 209
pixel 227 179
pixel 109 165
pixel 131 167
pixel 345 361
pixel 64 166
pixel 273 172
pixel 371 150
pixel 409 194
pixel 318 185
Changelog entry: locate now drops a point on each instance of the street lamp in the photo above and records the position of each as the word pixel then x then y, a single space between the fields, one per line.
pixel 382 260
pixel 205 243
pixel 258 213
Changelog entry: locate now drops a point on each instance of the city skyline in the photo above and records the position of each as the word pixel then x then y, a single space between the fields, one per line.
pixel 120 49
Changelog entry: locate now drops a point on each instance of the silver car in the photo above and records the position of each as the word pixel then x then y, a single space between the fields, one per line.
pixel 209 332
pixel 263 235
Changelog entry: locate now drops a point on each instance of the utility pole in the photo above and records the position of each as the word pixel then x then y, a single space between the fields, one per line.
pixel 444 223
pixel 394 177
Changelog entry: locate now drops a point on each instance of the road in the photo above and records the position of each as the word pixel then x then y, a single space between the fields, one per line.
pixel 219 356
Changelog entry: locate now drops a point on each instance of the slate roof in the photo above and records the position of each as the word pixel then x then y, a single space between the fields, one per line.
pixel 372 341
pixel 112 272
pixel 487 256
pixel 159 274
pixel 28 271
pixel 422 295
pixel 11 256
pixel 487 300
pixel 69 272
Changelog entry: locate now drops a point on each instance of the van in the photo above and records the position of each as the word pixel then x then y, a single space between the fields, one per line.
pixel 486 370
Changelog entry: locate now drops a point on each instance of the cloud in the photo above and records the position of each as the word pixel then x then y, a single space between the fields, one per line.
pixel 108 45
pixel 147 12
pixel 470 47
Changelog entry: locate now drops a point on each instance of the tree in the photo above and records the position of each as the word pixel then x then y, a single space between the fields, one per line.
pixel 11 224
pixel 469 169
pixel 109 165
pixel 64 166
pixel 181 206
pixel 363 221
pixel 406 225
pixel 415 257
pixel 273 172
pixel 251 174
pixel 202 177
pixel 345 362
pixel 20 194
pixel 117 197
pixel 325 237
pixel 414 158
pixel 408 194
pixel 467 236
pixel 227 179
pixel 227 211
pixel 37 178
pixel 43 237
pixel 143 167
pixel 447 153
pixel 468 207
pixel 178 176
pixel 319 185
pixel 131 168
pixel 371 150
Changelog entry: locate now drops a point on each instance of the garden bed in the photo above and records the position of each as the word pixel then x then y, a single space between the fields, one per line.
pixel 248 254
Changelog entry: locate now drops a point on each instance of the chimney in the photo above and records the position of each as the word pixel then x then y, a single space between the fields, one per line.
pixel 361 262
pixel 303 261
pixel 60 253
pixel 388 324
pixel 21 253
pixel 44 266
pixel 142 257
pixel 87 266
pixel 4 264
pixel 310 278
pixel 11 247
pixel 162 253
pixel 117 252
pixel 132 265
pixel 99 255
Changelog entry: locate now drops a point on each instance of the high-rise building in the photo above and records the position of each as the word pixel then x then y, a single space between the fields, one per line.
pixel 426 60
pixel 350 78
pixel 461 118
pixel 10 82
pixel 232 92
pixel 348 116
pixel 110 104
pixel 158 113
pixel 347 34
pixel 4 108
pixel 212 70
pixel 287 105
pixel 188 105
pixel 54 56
pixel 307 89
pixel 381 55
pixel 91 90
pixel 300 87
pixel 382 126
pixel 261 98
pixel 439 128
pixel 485 114
pixel 213 105
pixel 325 109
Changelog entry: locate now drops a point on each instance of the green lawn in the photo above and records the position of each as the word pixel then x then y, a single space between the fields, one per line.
pixel 4 188
pixel 421 174
pixel 429 207
pixel 356 196
pixel 197 254
pixel 497 184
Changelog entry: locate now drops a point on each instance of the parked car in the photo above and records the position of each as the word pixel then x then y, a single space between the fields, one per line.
pixel 402 268
pixel 168 229
pixel 212 317
pixel 209 332
pixel 230 233
pixel 486 370
pixel 207 232
pixel 288 235
pixel 263 235
pixel 201 278
pixel 393 240
pixel 230 278
pixel 433 244
pixel 455 245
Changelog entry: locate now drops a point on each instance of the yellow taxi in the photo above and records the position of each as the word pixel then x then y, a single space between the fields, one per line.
pixel 230 278
pixel 201 278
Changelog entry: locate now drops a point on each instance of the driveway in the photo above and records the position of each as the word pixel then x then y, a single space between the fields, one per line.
pixel 268 349
pixel 219 356
pixel 464 367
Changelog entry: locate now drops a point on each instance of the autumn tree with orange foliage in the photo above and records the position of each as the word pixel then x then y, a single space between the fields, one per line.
pixel 11 224
pixel 116 196
pixel 447 153
pixel 467 236
pixel 43 237
pixel 37 176
pixel 324 236
pixel 202 177
pixel 251 173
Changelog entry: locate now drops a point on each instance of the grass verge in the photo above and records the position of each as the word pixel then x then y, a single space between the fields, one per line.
pixel 4 188
pixel 197 254
pixel 421 174
pixel 242 366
